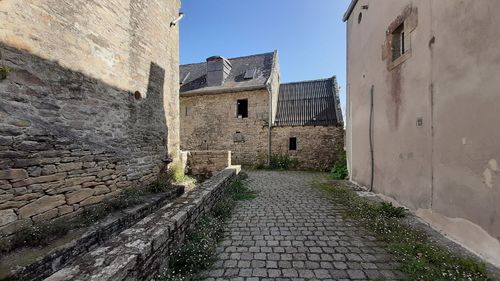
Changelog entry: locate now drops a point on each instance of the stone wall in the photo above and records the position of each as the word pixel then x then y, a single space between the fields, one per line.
pixel 90 106
pixel 316 145
pixel 209 122
pixel 143 251
pixel 208 162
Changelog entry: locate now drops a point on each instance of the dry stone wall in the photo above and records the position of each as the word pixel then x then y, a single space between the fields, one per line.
pixel 90 106
pixel 316 145
pixel 208 162
pixel 209 122
pixel 143 251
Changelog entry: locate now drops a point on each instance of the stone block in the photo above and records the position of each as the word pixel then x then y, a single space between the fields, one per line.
pixel 41 205
pixel 12 204
pixel 28 197
pixel 65 167
pixel 7 216
pixel 78 196
pixel 15 226
pixel 13 174
pixel 42 179
pixel 92 200
pixel 78 180
pixel 63 210
pixel 46 216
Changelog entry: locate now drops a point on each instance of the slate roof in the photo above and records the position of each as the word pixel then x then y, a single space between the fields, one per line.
pixel 309 103
pixel 196 81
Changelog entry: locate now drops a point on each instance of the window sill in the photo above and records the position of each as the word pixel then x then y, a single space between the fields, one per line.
pixel 400 60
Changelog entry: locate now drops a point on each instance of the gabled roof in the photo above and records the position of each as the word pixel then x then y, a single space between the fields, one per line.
pixel 309 103
pixel 196 81
pixel 349 10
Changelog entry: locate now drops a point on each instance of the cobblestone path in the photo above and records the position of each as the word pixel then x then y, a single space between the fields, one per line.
pixel 291 231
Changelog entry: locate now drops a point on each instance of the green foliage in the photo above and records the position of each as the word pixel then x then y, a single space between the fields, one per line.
pixel 281 161
pixel 176 173
pixel 390 211
pixel 196 254
pixel 4 72
pixel 339 170
pixel 418 256
pixel 261 163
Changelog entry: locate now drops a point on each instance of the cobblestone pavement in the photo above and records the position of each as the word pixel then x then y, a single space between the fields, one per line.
pixel 291 231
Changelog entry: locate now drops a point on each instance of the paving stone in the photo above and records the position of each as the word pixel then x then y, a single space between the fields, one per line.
pixel 291 231
pixel 356 274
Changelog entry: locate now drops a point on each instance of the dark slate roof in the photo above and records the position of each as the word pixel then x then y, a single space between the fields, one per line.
pixel 309 103
pixel 196 81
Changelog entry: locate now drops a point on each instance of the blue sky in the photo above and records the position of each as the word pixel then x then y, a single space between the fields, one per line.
pixel 309 35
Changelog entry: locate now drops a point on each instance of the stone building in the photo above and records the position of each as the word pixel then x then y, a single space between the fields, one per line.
pixel 428 101
pixel 239 105
pixel 89 105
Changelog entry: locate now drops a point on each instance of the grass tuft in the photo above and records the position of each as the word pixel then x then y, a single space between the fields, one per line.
pixel 419 257
pixel 197 252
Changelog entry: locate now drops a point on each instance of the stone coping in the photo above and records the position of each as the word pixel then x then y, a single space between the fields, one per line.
pixel 94 235
pixel 142 251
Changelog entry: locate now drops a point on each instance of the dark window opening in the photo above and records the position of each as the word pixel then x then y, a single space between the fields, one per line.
pixel 360 17
pixel 242 111
pixel 398 42
pixel 292 144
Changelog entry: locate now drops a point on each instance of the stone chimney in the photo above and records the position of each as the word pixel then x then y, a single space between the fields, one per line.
pixel 218 68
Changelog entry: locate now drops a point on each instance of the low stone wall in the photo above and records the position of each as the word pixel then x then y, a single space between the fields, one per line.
pixel 142 251
pixel 207 162
pixel 55 257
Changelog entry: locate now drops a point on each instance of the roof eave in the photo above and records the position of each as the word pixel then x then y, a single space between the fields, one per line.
pixel 222 91
pixel 349 10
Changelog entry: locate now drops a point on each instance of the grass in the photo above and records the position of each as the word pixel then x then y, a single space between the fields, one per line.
pixel 4 72
pixel 418 256
pixel 277 161
pixel 43 234
pixel 197 252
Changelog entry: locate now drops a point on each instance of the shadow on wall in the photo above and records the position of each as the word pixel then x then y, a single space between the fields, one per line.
pixel 62 132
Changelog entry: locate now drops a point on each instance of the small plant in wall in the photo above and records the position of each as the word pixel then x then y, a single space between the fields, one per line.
pixel 4 72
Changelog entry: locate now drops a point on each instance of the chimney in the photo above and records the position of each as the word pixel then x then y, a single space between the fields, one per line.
pixel 218 68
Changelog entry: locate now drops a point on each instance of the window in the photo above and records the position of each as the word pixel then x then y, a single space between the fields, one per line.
pixel 238 137
pixel 242 111
pixel 188 111
pixel 292 145
pixel 398 42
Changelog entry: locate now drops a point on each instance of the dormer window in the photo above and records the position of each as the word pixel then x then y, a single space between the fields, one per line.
pixel 250 74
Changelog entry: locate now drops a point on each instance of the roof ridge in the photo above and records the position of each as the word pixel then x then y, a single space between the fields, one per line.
pixel 235 58
pixel 309 81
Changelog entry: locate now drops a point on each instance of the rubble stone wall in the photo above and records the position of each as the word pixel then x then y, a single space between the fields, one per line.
pixel 210 122
pixel 316 145
pixel 90 105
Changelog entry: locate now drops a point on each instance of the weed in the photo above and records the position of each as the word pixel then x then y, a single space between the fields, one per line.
pixel 4 72
pixel 339 170
pixel 196 254
pixel 176 173
pixel 281 161
pixel 418 256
